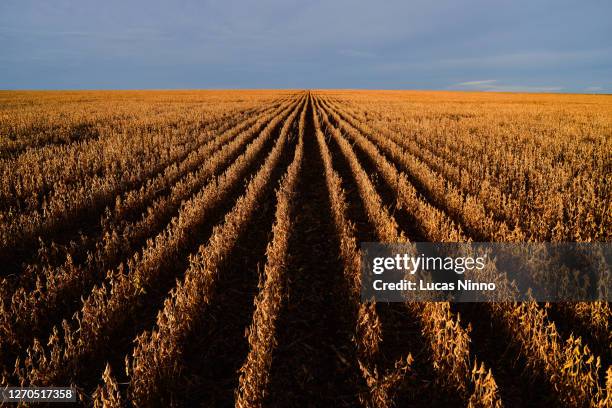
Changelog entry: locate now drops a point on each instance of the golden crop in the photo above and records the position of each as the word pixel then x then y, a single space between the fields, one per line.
pixel 121 214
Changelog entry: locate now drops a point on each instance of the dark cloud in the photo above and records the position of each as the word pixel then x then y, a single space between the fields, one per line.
pixel 520 45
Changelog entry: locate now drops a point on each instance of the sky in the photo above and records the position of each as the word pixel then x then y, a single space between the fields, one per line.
pixel 486 45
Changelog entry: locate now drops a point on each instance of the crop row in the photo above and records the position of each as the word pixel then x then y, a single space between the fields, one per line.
pixel 449 343
pixel 157 355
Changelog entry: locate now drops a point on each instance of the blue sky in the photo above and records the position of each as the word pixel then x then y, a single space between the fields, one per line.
pixel 489 45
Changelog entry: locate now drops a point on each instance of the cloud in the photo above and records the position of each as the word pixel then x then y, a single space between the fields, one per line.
pixel 530 59
pixel 493 85
pixel 593 88
pixel 518 46
pixel 125 34
pixel 483 83
pixel 357 54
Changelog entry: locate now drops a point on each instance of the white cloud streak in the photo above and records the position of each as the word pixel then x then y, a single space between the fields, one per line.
pixel 485 82
pixel 493 85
